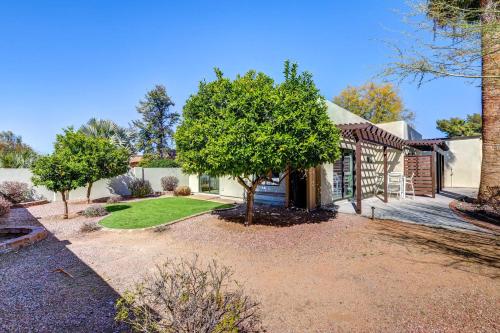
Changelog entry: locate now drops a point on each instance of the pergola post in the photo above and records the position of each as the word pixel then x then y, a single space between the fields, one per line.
pixel 358 174
pixel 385 175
pixel 433 171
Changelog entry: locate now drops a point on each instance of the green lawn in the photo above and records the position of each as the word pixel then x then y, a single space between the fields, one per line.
pixel 148 213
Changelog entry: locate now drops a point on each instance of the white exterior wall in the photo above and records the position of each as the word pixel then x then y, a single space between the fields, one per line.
pixel 462 167
pixel 402 129
pixel 102 188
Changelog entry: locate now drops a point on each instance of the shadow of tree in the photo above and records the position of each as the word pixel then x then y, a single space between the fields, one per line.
pixel 116 208
pixel 276 216
pixel 465 249
pixel 38 297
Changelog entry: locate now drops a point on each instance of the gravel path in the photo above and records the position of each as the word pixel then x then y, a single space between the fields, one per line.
pixel 340 274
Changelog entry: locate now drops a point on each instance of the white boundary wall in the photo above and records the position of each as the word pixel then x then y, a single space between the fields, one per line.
pixel 102 188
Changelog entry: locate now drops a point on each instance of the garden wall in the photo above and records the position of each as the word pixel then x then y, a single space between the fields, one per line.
pixel 104 187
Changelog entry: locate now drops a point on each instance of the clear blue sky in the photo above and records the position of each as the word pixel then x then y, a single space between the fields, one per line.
pixel 62 62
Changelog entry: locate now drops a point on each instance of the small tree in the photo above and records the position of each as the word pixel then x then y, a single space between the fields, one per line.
pixel 376 103
pixel 156 129
pixel 59 174
pixel 249 127
pixel 101 158
pixel 460 127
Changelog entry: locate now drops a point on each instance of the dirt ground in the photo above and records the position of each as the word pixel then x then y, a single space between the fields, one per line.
pixel 340 273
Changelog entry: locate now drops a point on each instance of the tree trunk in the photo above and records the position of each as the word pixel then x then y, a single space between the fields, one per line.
pixel 89 189
pixel 249 211
pixel 490 97
pixel 63 194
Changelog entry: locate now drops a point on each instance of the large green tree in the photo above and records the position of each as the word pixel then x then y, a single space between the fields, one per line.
pixel 461 40
pixel 14 153
pixel 156 128
pixel 100 157
pixel 250 126
pixel 456 126
pixel 378 103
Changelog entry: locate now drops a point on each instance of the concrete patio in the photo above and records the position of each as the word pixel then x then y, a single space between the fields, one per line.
pixel 433 212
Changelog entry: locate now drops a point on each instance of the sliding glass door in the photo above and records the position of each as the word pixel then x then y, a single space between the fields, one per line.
pixel 209 184
pixel 343 176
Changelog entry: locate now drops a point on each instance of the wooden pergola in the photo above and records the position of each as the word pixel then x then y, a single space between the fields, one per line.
pixel 366 132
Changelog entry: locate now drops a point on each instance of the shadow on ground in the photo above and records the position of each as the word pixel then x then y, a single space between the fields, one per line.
pixel 276 216
pixel 462 248
pixel 46 288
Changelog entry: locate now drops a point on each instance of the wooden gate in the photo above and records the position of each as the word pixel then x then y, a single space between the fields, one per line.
pixel 422 168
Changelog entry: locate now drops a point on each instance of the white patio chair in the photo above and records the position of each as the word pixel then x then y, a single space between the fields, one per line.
pixel 394 184
pixel 409 185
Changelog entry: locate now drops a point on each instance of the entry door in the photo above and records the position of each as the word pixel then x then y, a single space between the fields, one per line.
pixel 209 184
pixel 343 176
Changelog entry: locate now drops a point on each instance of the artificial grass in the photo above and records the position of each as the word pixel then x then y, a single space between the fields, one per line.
pixel 148 213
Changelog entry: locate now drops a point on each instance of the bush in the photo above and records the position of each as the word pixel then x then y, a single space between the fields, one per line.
pixel 4 206
pixel 16 192
pixel 140 188
pixel 114 199
pixel 169 183
pixel 159 163
pixel 94 211
pixel 186 297
pixel 90 227
pixel 182 190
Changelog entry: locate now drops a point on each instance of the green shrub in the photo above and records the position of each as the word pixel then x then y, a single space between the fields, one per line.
pixel 184 297
pixel 182 191
pixel 140 188
pixel 159 163
pixel 4 206
pixel 94 211
pixel 16 192
pixel 169 183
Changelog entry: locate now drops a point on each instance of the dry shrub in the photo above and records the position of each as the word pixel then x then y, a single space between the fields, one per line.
pixel 90 227
pixel 4 206
pixel 184 297
pixel 140 188
pixel 182 191
pixel 169 183
pixel 16 192
pixel 94 211
pixel 114 199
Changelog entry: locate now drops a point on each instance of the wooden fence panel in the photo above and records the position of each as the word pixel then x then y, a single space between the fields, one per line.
pixel 421 168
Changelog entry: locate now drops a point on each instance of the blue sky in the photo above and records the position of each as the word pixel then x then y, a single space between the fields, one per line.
pixel 62 62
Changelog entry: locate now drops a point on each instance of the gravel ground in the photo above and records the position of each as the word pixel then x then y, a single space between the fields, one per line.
pixel 338 274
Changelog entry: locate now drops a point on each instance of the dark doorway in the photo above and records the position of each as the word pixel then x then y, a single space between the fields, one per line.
pixel 298 189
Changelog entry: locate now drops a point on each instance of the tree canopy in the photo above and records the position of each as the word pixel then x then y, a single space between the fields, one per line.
pixel 156 128
pixel 377 103
pixel 14 153
pixel 108 129
pixel 100 157
pixel 59 172
pixel 251 126
pixel 456 126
